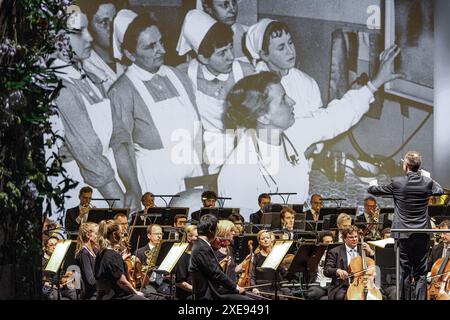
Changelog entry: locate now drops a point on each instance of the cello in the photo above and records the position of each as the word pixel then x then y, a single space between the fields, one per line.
pixel 439 288
pixel 363 287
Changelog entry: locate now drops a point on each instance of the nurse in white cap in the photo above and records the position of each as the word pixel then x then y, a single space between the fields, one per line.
pixel 156 122
pixel 226 11
pixel 213 72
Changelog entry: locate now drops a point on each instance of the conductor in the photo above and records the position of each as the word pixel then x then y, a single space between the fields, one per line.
pixel 411 194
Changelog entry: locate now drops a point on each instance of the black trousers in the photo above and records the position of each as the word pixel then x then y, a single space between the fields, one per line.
pixel 413 265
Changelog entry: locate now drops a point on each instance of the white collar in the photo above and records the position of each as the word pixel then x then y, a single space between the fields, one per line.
pixel 150 246
pixel 209 244
pixel 144 75
pixel 348 249
pixel 209 76
pixel 66 70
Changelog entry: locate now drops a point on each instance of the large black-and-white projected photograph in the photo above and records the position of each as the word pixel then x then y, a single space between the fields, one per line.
pixel 240 98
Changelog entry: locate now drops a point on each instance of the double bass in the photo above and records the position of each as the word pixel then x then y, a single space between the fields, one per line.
pixel 363 287
pixel 439 288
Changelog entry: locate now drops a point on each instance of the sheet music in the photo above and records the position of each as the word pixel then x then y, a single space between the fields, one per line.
pixel 58 256
pixel 277 254
pixel 382 243
pixel 173 256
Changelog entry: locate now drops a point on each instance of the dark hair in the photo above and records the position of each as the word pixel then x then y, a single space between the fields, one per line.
pixel 274 30
pixel 348 231
pixel 179 216
pixel 247 100
pixel 207 223
pixel 85 189
pixel 444 223
pixel 413 160
pixel 209 195
pixel 236 217
pixel 385 231
pixel 286 210
pixel 218 36
pixel 262 196
pixel 90 7
pixel 369 198
pixel 135 28
pixel 325 234
pixel 145 194
pixel 315 195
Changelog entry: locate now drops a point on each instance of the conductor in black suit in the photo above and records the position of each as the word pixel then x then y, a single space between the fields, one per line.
pixel 411 194
pixel 204 267
pixel 255 218
pixel 337 262
pixel 79 214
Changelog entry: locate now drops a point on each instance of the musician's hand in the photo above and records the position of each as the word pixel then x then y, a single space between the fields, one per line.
pixel 126 255
pixel 241 290
pixel 368 249
pixel 342 274
pixel 139 293
pixel 226 260
pixel 255 291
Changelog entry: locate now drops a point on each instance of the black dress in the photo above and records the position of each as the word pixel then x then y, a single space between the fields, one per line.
pixel 182 275
pixel 86 261
pixel 109 267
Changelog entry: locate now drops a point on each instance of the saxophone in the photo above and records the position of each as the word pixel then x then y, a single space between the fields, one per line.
pixel 152 256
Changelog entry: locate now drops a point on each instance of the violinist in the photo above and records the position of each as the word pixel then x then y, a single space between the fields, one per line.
pixel 287 216
pixel 79 214
pixel 110 269
pixel 226 231
pixel 179 223
pixel 238 221
pixel 122 220
pixel 320 284
pixel 266 240
pixel 85 255
pixel 338 259
pixel 182 275
pixel 205 269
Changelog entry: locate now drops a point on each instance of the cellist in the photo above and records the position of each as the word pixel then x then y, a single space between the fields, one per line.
pixel 438 250
pixel 339 258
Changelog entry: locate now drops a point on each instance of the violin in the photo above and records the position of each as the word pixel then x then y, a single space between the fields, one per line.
pixel 439 288
pixel 133 264
pixel 363 286
pixel 244 279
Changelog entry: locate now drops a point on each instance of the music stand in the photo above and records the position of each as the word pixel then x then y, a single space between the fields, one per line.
pixel 219 213
pixel 240 245
pixel 139 232
pixel 170 260
pixel 98 214
pixel 274 259
pixel 438 210
pixel 164 216
pixel 271 218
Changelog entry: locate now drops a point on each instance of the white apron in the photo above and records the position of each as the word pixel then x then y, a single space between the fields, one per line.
pixel 164 170
pixel 218 144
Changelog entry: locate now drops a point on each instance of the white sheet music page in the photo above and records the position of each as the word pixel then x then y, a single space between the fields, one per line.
pixel 277 254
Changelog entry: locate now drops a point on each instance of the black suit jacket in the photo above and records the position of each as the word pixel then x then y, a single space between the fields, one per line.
pixel 207 274
pixel 312 225
pixel 336 259
pixel 411 194
pixel 70 222
pixel 255 218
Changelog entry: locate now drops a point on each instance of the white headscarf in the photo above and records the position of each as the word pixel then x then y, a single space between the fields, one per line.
pixel 195 27
pixel 120 25
pixel 254 41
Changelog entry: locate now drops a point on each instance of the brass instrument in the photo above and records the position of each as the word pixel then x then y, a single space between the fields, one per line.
pixel 152 256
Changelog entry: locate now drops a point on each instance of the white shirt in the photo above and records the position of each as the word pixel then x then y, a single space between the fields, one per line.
pixel 351 253
pixel 246 174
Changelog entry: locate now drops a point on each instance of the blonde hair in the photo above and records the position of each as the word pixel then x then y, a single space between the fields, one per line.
pixel 259 235
pixel 105 229
pixel 224 228
pixel 189 230
pixel 341 217
pixel 83 235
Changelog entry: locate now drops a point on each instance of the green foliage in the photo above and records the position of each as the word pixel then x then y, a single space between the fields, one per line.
pixel 30 31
